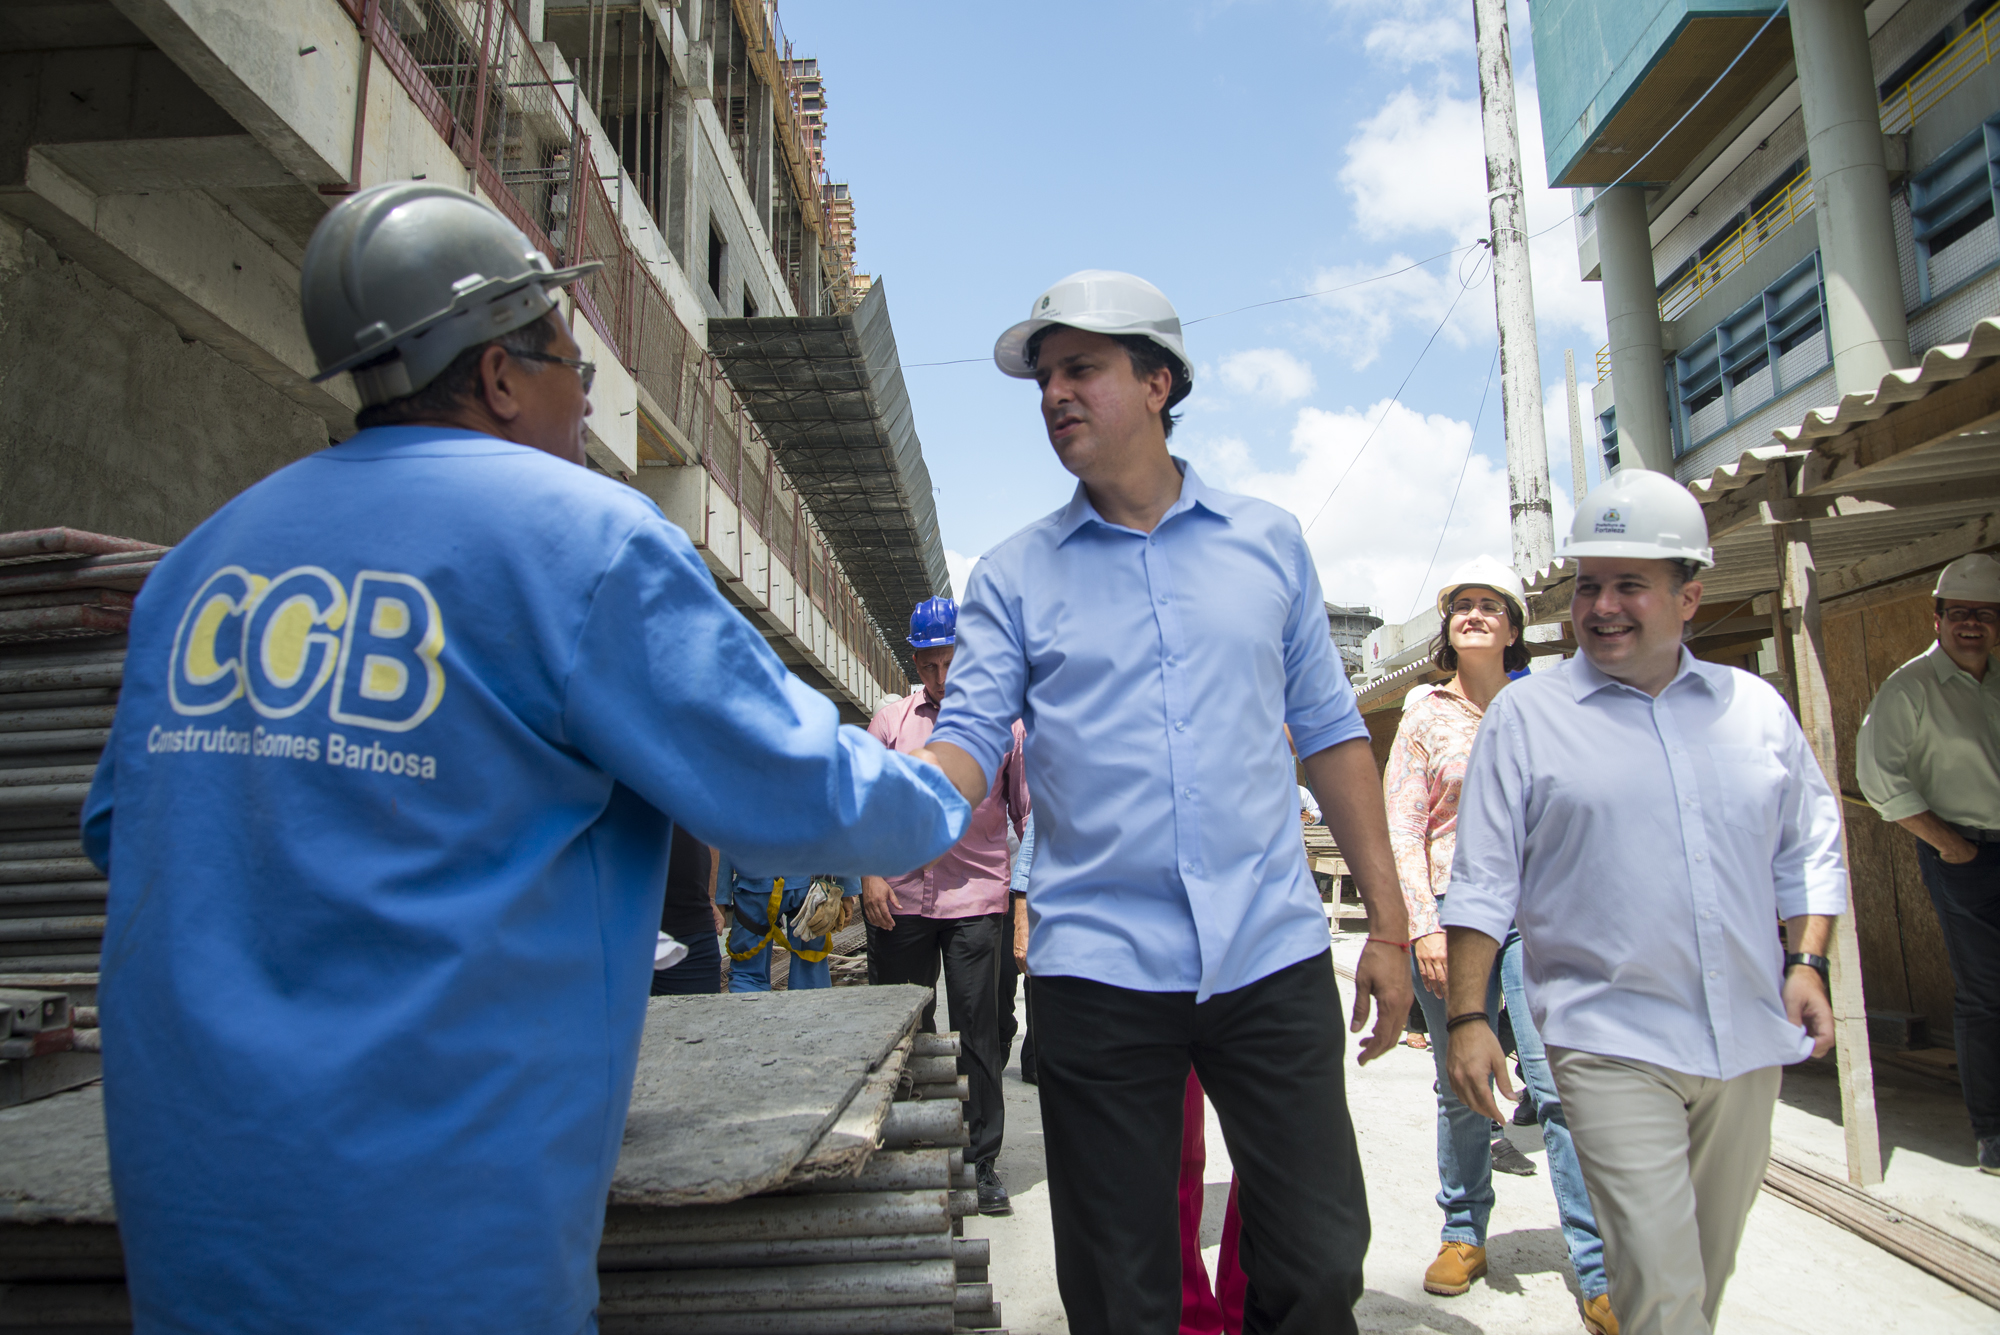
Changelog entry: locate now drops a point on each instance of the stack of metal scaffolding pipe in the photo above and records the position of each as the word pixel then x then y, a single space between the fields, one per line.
pixel 881 1249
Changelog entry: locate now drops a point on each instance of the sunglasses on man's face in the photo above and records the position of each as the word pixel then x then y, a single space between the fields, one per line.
pixel 1985 616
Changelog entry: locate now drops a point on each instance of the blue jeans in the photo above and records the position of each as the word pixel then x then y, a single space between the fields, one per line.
pixel 1967 900
pixel 1464 1137
pixel 1579 1224
pixel 748 926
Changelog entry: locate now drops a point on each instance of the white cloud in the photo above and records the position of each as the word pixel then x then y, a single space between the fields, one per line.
pixel 1415 173
pixel 1268 373
pixel 1415 32
pixel 960 566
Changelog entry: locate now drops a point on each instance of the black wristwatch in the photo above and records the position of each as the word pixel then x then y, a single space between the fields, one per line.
pixel 1818 962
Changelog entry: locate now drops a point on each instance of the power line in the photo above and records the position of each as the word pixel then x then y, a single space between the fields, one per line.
pixel 1463 466
pixel 1465 285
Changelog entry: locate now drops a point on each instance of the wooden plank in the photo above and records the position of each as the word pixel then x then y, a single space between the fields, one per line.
pixel 1793 545
pixel 1949 1257
pixel 1934 550
pixel 1965 407
pixel 1865 499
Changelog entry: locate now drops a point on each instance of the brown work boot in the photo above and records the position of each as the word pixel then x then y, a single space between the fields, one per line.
pixel 1598 1318
pixel 1457 1265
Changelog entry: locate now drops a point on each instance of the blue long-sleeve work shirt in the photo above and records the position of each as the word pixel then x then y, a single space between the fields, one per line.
pixel 386 810
pixel 1156 674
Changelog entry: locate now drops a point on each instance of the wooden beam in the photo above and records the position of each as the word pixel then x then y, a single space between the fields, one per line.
pixel 1945 1255
pixel 1814 701
pixel 1961 408
pixel 1924 552
pixel 1869 500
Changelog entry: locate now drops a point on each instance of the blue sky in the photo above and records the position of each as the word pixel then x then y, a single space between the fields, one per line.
pixel 1233 152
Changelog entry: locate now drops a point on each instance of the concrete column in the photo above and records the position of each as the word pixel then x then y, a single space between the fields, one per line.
pixel 1857 244
pixel 1632 317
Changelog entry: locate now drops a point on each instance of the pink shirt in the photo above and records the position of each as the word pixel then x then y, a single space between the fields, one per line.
pixel 971 878
pixel 1426 768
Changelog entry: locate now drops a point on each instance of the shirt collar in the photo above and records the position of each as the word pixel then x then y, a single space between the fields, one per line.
pixel 1944 668
pixel 1194 492
pixel 1586 680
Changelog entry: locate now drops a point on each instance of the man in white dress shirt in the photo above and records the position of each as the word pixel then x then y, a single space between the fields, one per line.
pixel 1646 819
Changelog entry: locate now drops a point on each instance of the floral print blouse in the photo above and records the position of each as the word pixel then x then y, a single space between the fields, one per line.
pixel 1420 787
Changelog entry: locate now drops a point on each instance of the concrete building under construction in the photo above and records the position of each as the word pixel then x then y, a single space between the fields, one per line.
pixel 163 162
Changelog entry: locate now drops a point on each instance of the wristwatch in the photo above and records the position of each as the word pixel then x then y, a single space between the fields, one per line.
pixel 1818 962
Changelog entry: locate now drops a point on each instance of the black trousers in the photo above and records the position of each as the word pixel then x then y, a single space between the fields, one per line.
pixel 1967 900
pixel 1114 1066
pixel 700 972
pixel 968 949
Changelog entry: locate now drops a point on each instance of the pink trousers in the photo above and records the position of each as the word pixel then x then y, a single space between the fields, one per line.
pixel 1205 1312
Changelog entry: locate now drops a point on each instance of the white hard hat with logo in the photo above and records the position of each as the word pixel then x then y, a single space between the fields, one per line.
pixel 1640 513
pixel 1100 301
pixel 1485 572
pixel 1971 579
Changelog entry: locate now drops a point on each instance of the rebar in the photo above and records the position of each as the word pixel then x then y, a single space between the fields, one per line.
pixel 929 1320
pixel 934 1045
pixel 837 1215
pixel 887 1170
pixel 924 1122
pixel 778 1252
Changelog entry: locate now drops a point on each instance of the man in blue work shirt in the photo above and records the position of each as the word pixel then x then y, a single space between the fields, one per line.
pixel 1157 637
pixel 386 812
pixel 765 907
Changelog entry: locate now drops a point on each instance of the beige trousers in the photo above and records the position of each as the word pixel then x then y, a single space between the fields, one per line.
pixel 1673 1163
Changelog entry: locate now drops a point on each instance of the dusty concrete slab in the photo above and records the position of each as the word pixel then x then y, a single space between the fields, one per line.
pixel 53 1165
pixel 733 1091
pixel 846 1146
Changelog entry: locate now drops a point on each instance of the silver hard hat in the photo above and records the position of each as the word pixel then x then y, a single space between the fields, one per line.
pixel 417 273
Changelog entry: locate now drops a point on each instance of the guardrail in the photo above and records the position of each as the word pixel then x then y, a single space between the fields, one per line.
pixel 473 73
pixel 1965 55
pixel 1791 204
pixel 1604 362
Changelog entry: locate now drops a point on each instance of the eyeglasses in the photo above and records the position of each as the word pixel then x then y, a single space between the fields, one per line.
pixel 1485 607
pixel 585 371
pixel 1985 616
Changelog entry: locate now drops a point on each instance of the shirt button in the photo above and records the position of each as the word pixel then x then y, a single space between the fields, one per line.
pixel 1180 726
pixel 1701 857
pixel 1714 973
pixel 1707 913
pixel 1187 792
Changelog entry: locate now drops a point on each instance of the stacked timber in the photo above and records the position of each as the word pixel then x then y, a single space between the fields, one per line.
pixel 779 1176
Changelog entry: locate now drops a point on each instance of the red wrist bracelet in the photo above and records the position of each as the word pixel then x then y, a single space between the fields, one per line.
pixel 1385 941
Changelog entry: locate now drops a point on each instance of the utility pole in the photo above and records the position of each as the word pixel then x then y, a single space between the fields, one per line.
pixel 1533 522
pixel 1579 478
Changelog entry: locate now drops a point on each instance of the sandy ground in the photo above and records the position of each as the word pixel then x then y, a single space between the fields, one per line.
pixel 1796 1273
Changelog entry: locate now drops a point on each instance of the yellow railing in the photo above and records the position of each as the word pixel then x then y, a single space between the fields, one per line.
pixel 1792 203
pixel 1969 52
pixel 1604 362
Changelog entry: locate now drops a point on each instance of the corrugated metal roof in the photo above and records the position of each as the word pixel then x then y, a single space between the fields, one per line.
pixel 828 392
pixel 1941 365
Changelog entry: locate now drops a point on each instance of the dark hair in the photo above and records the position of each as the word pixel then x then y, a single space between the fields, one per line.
pixel 1684 571
pixel 1146 357
pixel 1513 658
pixel 458 382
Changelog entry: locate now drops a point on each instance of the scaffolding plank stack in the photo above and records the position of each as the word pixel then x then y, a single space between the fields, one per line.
pixel 838 1208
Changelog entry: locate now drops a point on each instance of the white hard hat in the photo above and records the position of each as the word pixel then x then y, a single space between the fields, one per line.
pixel 1486 572
pixel 1102 301
pixel 1637 512
pixel 1972 579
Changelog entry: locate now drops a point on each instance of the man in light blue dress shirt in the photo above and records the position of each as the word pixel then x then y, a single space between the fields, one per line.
pixel 1156 637
pixel 1645 819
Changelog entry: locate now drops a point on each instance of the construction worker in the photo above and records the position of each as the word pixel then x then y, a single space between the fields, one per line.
pixel 1928 757
pixel 1482 613
pixel 1157 636
pixel 386 811
pixel 1643 818
pixel 767 908
pixel 953 914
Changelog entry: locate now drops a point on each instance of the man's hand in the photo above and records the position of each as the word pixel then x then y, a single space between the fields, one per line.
pixel 1430 952
pixel 1383 977
pixel 1474 1063
pixel 720 926
pixel 1807 1004
pixel 1021 934
pixel 878 903
pixel 1961 852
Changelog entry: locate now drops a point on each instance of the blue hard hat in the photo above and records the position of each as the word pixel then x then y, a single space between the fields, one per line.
pixel 934 623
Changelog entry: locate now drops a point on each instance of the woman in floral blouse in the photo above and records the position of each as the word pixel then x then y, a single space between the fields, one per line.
pixel 1480 643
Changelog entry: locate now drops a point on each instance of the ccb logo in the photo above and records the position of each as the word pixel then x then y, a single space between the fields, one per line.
pixel 280 642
